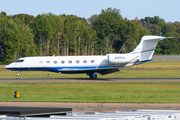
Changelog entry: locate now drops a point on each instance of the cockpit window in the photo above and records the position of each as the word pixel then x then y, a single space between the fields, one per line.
pixel 19 61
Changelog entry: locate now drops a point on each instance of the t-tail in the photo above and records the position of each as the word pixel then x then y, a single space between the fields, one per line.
pixel 142 53
pixel 146 47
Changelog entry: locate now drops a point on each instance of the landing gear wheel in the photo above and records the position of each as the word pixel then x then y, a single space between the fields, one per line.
pixel 17 76
pixel 93 76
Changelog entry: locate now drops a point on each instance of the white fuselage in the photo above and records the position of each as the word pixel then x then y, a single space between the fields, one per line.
pixel 66 64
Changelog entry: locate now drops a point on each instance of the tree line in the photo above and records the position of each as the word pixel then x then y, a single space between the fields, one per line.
pixel 24 35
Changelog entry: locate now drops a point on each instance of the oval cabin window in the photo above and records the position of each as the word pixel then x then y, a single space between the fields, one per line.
pixel 92 61
pixel 55 62
pixel 48 62
pixel 40 62
pixel 77 61
pixel 62 62
pixel 70 62
pixel 85 61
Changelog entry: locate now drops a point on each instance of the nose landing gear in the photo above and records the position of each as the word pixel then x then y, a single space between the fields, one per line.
pixel 17 75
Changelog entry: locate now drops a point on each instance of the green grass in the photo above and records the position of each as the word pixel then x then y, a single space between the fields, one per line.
pixel 2 67
pixel 92 92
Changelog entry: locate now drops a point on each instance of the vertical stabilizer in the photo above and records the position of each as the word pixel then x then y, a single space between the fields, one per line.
pixel 147 46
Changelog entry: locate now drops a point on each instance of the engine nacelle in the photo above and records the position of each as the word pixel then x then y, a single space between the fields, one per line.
pixel 120 58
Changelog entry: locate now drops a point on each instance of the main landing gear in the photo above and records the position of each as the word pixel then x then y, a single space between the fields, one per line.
pixel 17 75
pixel 92 75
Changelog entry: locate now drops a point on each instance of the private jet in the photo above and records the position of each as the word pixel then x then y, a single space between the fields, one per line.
pixel 91 65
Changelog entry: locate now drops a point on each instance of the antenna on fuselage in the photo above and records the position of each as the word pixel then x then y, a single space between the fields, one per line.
pixel 53 55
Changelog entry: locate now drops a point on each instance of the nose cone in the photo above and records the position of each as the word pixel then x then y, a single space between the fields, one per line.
pixel 9 67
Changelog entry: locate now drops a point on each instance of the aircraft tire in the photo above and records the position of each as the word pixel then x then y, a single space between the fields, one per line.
pixel 17 76
pixel 93 76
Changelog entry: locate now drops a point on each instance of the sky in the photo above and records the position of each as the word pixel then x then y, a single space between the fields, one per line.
pixel 165 9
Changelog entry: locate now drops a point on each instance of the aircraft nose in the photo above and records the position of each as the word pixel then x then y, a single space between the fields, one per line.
pixel 9 67
pixel 6 67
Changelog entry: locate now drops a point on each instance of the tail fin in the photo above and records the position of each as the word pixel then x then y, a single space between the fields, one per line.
pixel 146 47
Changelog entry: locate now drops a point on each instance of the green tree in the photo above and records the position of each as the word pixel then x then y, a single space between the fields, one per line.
pixel 16 39
pixel 92 19
pixel 44 34
pixel 129 37
pixel 59 32
pixel 3 13
pixel 107 27
pixel 26 19
pixel 142 31
pixel 153 24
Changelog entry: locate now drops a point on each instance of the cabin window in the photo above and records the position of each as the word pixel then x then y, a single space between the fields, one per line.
pixel 19 61
pixel 40 62
pixel 77 61
pixel 62 62
pixel 92 61
pixel 69 61
pixel 48 62
pixel 55 62
pixel 85 61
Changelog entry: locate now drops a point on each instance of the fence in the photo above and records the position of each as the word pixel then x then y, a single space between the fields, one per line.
pixel 166 58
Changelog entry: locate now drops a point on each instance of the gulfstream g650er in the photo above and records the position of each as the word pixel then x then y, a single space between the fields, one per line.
pixel 89 64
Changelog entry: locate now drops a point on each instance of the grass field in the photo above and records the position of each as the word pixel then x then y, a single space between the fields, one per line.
pixel 92 92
